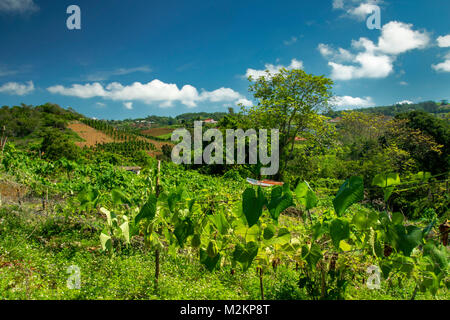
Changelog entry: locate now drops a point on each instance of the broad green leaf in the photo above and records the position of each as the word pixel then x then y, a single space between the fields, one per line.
pixel 183 229
pixel 244 254
pixel 269 232
pixel 106 242
pixel 118 197
pixel 311 254
pixel 252 205
pixel 306 196
pixel 148 210
pixel 387 183
pixel 439 255
pixel 196 241
pixel 407 238
pixel 339 230
pixel 352 191
pixel 111 218
pixel 220 222
pixel 397 218
pixel 283 237
pixel 344 246
pixel 423 176
pixel 210 263
pixel 125 231
pixel 280 200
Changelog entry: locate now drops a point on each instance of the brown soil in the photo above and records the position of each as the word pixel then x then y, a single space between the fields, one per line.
pixel 90 136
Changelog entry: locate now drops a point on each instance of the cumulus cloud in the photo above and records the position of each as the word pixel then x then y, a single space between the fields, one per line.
pixel 152 92
pixel 374 60
pixel 444 41
pixel 245 102
pixel 363 10
pixel 443 66
pixel 273 69
pixel 398 37
pixel 19 89
pixel 405 102
pixel 128 105
pixel 335 55
pixel 343 102
pixel 18 6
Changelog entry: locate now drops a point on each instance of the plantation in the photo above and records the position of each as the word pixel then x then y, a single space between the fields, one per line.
pixel 359 209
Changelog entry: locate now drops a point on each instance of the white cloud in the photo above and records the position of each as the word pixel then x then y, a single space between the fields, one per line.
pixel 374 60
pixel 342 102
pixel 443 66
pixel 370 66
pixel 444 41
pixel 397 37
pixel 155 91
pixel 18 6
pixel 290 41
pixel 80 91
pixel 362 11
pixel 273 69
pixel 245 102
pixel 17 88
pixel 403 83
pixel 336 55
pixel 222 94
pixel 100 104
pixel 128 105
pixel 404 102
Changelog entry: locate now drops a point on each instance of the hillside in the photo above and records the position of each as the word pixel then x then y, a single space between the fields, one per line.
pixel 441 110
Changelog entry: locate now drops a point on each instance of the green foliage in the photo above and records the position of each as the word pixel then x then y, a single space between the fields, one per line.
pixel 351 192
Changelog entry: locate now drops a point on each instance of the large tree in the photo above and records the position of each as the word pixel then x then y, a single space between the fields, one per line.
pixel 288 101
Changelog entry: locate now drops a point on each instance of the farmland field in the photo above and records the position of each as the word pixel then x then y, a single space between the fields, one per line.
pixel 156 132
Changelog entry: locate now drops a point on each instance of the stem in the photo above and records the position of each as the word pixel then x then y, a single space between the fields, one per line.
pixel 156 268
pixel 261 286
pixel 414 293
pixel 157 250
pixel 322 295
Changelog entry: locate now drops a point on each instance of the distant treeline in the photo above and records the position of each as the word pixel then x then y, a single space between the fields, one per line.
pixel 427 106
pixel 180 119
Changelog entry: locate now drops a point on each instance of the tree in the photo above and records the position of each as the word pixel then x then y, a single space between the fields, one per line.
pixel 56 145
pixel 287 101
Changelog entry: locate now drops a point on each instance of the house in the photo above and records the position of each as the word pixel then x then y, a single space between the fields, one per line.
pixel 209 121
pixel 335 120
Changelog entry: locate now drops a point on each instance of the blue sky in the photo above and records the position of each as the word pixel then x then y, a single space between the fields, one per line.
pixel 136 58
